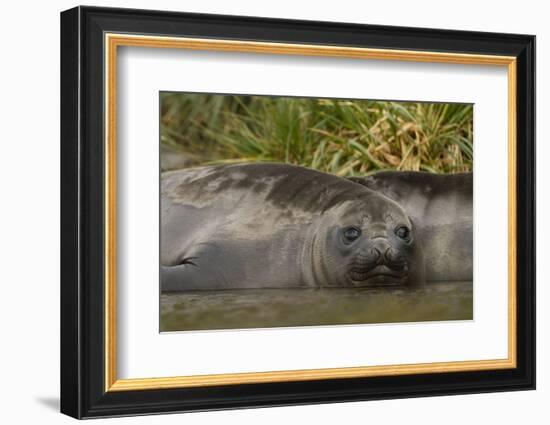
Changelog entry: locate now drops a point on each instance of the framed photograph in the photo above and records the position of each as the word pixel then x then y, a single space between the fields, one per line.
pixel 261 212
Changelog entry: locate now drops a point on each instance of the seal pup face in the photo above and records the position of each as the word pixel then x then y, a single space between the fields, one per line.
pixel 372 242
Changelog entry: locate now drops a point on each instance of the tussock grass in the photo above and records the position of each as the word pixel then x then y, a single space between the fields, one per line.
pixel 343 137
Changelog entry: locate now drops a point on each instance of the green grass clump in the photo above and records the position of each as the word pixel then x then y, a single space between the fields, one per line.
pixel 343 137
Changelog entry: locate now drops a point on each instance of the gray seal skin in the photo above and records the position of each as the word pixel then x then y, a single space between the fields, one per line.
pixel 267 225
pixel 442 207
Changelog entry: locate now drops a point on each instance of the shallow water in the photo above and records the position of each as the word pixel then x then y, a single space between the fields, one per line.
pixel 264 308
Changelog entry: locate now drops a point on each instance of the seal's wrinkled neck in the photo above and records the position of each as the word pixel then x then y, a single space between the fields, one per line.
pixel 311 252
pixel 319 267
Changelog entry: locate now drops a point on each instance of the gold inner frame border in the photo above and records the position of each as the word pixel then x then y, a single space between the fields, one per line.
pixel 111 43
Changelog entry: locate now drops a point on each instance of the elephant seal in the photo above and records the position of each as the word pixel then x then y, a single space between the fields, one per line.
pixel 441 205
pixel 269 225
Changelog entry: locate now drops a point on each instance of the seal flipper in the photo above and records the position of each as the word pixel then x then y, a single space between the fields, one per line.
pixel 192 274
pixel 187 277
pixel 179 278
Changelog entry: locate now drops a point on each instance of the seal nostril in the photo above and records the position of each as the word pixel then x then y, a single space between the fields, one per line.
pixel 394 260
pixel 376 254
pixel 388 254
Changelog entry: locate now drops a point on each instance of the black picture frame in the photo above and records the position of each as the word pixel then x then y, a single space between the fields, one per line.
pixel 83 392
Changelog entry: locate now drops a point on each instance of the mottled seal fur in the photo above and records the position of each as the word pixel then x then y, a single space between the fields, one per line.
pixel 441 205
pixel 266 225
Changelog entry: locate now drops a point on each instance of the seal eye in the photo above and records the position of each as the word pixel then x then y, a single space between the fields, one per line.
pixel 403 232
pixel 351 233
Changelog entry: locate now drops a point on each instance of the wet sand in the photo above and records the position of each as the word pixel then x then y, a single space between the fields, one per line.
pixel 264 308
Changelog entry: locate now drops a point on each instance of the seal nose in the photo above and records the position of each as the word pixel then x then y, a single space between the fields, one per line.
pixel 375 255
pixel 386 255
pixel 381 250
